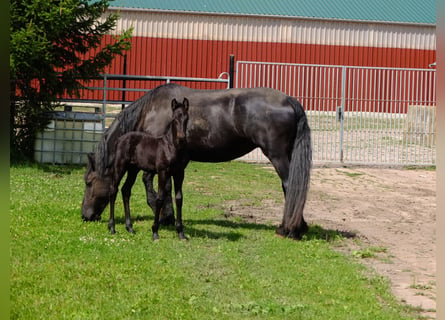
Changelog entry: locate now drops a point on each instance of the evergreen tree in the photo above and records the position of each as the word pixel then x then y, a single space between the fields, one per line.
pixel 49 40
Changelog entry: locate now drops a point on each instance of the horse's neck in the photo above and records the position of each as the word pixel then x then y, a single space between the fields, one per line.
pixel 168 135
pixel 170 139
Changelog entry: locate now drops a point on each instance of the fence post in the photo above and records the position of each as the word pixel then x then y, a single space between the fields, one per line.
pixel 231 70
pixel 104 102
pixel 124 82
pixel 342 109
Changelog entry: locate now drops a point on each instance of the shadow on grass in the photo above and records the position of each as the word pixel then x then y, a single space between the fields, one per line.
pixel 317 232
pixel 121 219
pixel 230 229
pixel 57 170
pixel 192 228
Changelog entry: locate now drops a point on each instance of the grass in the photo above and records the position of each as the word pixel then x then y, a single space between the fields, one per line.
pixel 63 268
pixel 351 174
pixel 369 252
pixel 427 168
pixel 367 121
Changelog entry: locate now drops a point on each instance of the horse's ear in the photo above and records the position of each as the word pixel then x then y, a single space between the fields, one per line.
pixel 186 104
pixel 174 103
pixel 91 161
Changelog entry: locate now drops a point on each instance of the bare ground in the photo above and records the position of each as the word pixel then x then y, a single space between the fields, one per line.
pixel 391 214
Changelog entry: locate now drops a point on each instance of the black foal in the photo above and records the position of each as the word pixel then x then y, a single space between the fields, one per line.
pixel 165 156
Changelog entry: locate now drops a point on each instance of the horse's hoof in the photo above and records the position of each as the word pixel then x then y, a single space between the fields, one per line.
pixel 182 237
pixel 155 238
pixel 295 236
pixel 279 232
pixel 130 230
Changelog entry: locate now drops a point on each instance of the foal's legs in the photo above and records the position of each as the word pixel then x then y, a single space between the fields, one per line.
pixel 160 199
pixel 167 215
pixel 178 180
pixel 118 173
pixel 126 194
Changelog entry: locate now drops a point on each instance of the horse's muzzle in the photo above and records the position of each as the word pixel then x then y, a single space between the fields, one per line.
pixel 89 215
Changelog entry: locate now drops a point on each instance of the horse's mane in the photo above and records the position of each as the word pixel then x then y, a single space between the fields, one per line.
pixel 124 122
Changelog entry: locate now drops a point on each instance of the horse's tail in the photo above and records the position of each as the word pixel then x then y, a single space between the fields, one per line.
pixel 124 122
pixel 293 224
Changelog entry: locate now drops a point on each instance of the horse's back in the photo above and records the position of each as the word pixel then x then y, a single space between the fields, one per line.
pixel 225 124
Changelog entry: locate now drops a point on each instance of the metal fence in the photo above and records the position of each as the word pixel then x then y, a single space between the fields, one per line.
pixel 358 115
pixel 76 127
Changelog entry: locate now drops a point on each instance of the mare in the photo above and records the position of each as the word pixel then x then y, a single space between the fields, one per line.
pixel 223 125
pixel 165 156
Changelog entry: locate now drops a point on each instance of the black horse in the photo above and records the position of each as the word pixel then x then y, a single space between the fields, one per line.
pixel 165 156
pixel 223 125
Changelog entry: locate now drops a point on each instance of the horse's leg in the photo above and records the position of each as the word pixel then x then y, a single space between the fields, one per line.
pixel 178 180
pixel 162 177
pixel 281 165
pixel 113 193
pixel 111 223
pixel 126 194
pixel 167 216
pixel 150 192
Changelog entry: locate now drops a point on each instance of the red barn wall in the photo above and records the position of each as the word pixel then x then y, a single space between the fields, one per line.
pixel 197 45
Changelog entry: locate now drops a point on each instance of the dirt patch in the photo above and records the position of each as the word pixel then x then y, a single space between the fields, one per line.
pixel 390 211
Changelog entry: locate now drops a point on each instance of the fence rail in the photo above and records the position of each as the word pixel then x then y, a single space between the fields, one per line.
pixel 75 129
pixel 115 87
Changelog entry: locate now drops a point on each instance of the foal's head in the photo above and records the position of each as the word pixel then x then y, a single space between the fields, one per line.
pixel 179 120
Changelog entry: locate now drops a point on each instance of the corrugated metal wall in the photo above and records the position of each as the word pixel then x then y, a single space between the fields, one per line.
pixel 152 24
pixel 199 45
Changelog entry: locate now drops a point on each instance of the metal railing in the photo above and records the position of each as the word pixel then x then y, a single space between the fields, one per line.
pixel 359 115
pixel 78 125
pixel 117 89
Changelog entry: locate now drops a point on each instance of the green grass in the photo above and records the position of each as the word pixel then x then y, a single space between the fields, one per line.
pixel 427 168
pixel 369 252
pixel 63 268
pixel 351 174
pixel 365 122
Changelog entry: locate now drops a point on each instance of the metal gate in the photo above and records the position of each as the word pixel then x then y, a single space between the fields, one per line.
pixel 77 126
pixel 359 115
